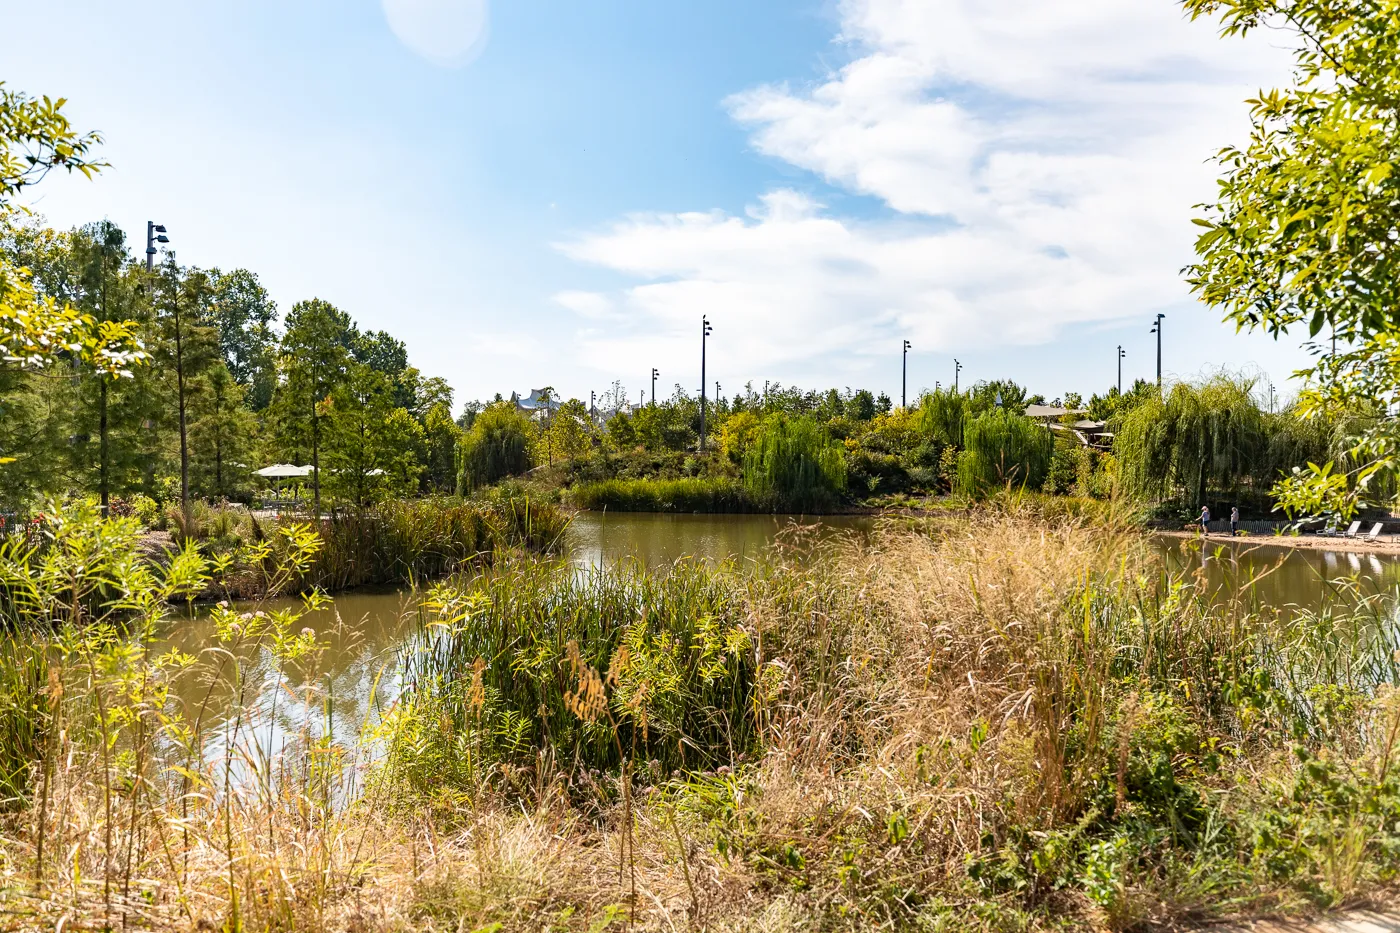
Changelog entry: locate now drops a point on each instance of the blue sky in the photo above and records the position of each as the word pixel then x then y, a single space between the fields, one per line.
pixel 558 197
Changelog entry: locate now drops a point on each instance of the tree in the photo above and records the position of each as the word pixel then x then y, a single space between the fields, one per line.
pixel 1303 231
pixel 403 449
pixel 440 439
pixel 188 345
pixel 222 432
pixel 1209 439
pixel 1003 447
pixel 244 312
pixel 861 406
pixel 35 329
pixel 497 446
pixel 360 445
pixel 794 464
pixel 571 430
pixel 314 360
pixel 107 286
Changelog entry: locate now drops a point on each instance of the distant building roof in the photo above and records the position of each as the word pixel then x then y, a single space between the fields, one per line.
pixel 1051 411
pixel 533 402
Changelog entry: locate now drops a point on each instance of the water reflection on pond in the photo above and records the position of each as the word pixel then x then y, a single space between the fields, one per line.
pixel 1277 576
pixel 365 631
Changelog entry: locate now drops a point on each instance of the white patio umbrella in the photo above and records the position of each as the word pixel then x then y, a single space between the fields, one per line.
pixel 281 471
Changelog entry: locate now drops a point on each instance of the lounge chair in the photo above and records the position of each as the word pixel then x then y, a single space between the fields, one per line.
pixel 1375 531
pixel 1328 531
pixel 1352 529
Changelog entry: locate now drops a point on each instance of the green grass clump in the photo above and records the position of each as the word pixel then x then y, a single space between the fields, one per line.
pixel 408 541
pixel 700 494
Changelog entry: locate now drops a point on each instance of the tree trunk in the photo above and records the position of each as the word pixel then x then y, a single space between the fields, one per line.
pixel 315 460
pixel 184 434
pixel 103 483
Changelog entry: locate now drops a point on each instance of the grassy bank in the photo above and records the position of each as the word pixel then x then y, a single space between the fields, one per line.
pixel 401 541
pixel 1010 723
pixel 705 494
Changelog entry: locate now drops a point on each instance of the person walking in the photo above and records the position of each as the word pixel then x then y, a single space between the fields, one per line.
pixel 1205 519
pixel 1234 521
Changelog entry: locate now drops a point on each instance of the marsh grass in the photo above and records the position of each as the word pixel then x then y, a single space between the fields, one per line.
pixel 1010 722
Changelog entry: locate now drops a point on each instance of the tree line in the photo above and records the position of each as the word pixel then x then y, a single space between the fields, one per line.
pixel 223 390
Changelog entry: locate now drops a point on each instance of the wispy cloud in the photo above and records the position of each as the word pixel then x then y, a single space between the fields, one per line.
pixel 1039 159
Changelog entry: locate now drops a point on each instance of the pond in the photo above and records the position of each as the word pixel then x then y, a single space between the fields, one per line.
pixel 365 631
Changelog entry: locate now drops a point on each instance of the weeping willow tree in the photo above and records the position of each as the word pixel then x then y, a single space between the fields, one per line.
pixel 497 446
pixel 794 464
pixel 942 414
pixel 1211 438
pixel 1003 448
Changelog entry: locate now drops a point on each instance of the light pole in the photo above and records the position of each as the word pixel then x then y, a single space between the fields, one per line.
pixel 705 331
pixel 155 233
pixel 654 374
pixel 904 378
pixel 957 368
pixel 1121 354
pixel 1157 329
pixel 592 404
pixel 716 393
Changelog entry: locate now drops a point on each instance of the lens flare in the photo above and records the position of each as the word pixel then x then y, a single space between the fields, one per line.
pixel 446 32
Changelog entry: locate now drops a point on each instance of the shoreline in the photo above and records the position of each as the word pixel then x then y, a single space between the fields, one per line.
pixel 1385 544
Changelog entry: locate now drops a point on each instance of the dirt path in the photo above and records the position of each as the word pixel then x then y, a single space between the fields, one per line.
pixel 1385 544
pixel 1354 921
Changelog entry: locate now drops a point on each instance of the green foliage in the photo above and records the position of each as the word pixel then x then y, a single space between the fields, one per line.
pixel 1301 234
pixel 313 359
pixel 1206 440
pixel 678 665
pixel 665 495
pixel 244 314
pixel 942 415
pixel 402 541
pixel 794 463
pixel 497 446
pixel 1003 448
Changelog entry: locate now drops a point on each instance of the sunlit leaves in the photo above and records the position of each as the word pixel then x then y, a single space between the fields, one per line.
pixel 35 138
pixel 1306 224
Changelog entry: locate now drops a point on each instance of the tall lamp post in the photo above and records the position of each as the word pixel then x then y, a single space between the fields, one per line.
pixel 155 233
pixel 654 374
pixel 957 368
pixel 904 378
pixel 1121 354
pixel 705 331
pixel 1157 329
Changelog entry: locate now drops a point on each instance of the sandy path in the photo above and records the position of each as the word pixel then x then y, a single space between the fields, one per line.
pixel 1385 544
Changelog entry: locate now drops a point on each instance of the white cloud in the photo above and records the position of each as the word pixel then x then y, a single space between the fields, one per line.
pixel 1040 158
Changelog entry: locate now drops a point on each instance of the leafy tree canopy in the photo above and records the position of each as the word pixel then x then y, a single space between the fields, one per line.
pixel 1304 231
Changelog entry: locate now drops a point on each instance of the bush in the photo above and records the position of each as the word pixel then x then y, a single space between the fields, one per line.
pixel 795 465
